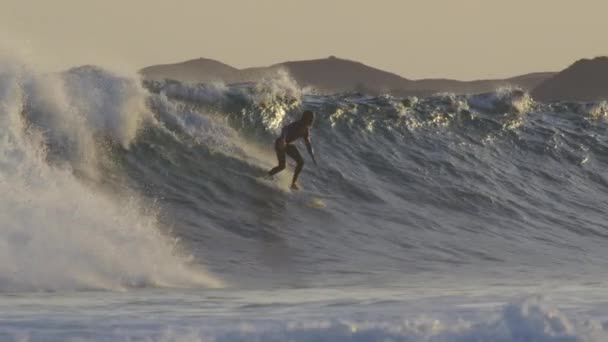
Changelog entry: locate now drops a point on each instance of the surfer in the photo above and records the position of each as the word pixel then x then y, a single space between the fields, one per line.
pixel 283 145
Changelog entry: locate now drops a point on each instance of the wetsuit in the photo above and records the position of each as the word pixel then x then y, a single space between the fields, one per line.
pixel 289 134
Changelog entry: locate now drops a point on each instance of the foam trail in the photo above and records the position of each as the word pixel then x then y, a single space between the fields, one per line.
pixel 527 320
pixel 55 232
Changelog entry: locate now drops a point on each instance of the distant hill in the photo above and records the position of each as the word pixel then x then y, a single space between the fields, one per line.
pixel 193 71
pixel 331 75
pixel 526 82
pixel 585 80
pixel 335 74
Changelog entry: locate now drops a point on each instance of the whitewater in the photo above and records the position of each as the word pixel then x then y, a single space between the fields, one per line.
pixel 138 211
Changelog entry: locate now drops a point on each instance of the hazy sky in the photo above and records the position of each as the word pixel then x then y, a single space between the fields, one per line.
pixel 462 39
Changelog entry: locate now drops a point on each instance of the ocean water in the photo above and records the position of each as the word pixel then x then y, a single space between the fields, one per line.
pixel 139 211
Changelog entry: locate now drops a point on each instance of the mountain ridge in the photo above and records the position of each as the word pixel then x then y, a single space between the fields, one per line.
pixel 584 80
pixel 333 74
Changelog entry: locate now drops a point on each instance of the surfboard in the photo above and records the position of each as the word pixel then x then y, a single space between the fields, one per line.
pixel 314 199
pixel 315 194
pixel 310 198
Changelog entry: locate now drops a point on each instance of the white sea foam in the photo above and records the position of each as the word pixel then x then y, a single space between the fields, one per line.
pixel 55 232
pixel 524 321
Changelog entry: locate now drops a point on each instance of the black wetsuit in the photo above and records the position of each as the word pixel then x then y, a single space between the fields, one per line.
pixel 290 133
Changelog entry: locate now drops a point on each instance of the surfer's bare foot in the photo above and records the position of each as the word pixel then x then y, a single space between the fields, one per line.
pixel 295 186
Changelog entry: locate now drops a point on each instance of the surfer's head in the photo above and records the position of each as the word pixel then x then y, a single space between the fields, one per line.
pixel 308 118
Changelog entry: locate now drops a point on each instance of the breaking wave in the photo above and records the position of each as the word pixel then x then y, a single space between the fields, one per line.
pixel 111 183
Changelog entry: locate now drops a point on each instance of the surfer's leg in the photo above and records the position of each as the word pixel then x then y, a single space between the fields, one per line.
pixel 293 152
pixel 281 159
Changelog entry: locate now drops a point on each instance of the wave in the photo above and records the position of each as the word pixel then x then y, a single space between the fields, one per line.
pixel 104 175
pixel 494 168
pixel 58 232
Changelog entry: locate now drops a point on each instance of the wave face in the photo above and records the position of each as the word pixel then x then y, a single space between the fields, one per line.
pixel 484 185
pixel 111 185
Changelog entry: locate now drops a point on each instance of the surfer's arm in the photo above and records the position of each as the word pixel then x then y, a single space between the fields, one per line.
pixel 309 148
